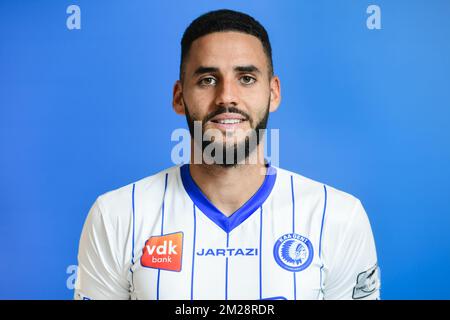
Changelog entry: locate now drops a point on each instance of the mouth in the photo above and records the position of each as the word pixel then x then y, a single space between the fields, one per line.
pixel 228 120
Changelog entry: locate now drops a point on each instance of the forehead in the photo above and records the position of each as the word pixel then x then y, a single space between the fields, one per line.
pixel 226 49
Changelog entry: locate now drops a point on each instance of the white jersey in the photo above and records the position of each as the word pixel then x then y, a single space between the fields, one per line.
pixel 161 238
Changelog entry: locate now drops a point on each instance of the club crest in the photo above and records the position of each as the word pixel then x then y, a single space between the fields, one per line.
pixel 293 252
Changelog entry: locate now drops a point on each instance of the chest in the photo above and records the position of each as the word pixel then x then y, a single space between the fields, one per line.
pixel 272 254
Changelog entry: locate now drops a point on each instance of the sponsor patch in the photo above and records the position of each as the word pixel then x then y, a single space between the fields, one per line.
pixel 366 283
pixel 163 252
pixel 227 252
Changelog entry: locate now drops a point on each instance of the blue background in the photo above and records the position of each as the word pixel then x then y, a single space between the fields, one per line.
pixel 86 111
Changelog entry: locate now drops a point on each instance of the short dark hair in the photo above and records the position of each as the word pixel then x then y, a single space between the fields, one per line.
pixel 221 21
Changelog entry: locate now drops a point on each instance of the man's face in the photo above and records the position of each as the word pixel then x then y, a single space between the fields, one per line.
pixel 226 85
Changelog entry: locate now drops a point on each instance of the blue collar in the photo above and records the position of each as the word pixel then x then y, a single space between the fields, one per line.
pixel 227 223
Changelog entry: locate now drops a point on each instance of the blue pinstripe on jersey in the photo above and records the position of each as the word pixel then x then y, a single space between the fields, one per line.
pixel 260 251
pixel 162 231
pixel 293 231
pixel 321 231
pixel 132 240
pixel 226 269
pixel 193 252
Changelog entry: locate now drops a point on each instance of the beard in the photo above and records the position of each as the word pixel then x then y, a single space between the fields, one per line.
pixel 235 149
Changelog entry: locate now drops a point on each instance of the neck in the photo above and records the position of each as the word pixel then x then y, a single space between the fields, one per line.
pixel 228 188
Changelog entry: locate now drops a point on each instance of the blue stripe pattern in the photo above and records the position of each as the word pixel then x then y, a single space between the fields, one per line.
pixel 193 253
pixel 293 205
pixel 321 231
pixel 226 269
pixel 162 230
pixel 132 241
pixel 323 219
pixel 260 252
pixel 293 231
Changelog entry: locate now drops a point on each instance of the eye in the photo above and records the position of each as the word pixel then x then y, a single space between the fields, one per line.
pixel 247 80
pixel 208 81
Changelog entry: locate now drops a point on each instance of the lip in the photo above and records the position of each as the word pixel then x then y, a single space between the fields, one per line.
pixel 227 116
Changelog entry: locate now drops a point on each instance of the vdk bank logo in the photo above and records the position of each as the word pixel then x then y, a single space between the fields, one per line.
pixel 163 252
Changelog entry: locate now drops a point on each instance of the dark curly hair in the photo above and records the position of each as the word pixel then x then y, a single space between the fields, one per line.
pixel 220 21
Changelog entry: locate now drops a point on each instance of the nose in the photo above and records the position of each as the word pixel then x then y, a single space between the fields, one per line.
pixel 226 93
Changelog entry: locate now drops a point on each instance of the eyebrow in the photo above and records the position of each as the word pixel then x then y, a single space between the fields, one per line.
pixel 248 68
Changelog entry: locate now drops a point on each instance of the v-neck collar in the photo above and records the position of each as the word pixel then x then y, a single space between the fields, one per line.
pixel 227 224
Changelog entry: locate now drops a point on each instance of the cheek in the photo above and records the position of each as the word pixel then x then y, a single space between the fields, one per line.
pixel 198 103
pixel 257 104
pixel 257 95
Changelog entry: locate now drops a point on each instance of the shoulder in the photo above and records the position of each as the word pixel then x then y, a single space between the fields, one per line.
pixel 338 205
pixel 118 202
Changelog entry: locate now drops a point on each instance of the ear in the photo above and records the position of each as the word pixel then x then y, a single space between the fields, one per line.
pixel 275 93
pixel 177 99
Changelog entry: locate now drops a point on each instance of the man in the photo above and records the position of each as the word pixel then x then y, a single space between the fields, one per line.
pixel 234 229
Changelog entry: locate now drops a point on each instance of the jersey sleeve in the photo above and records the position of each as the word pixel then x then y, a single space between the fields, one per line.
pixel 352 270
pixel 101 272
